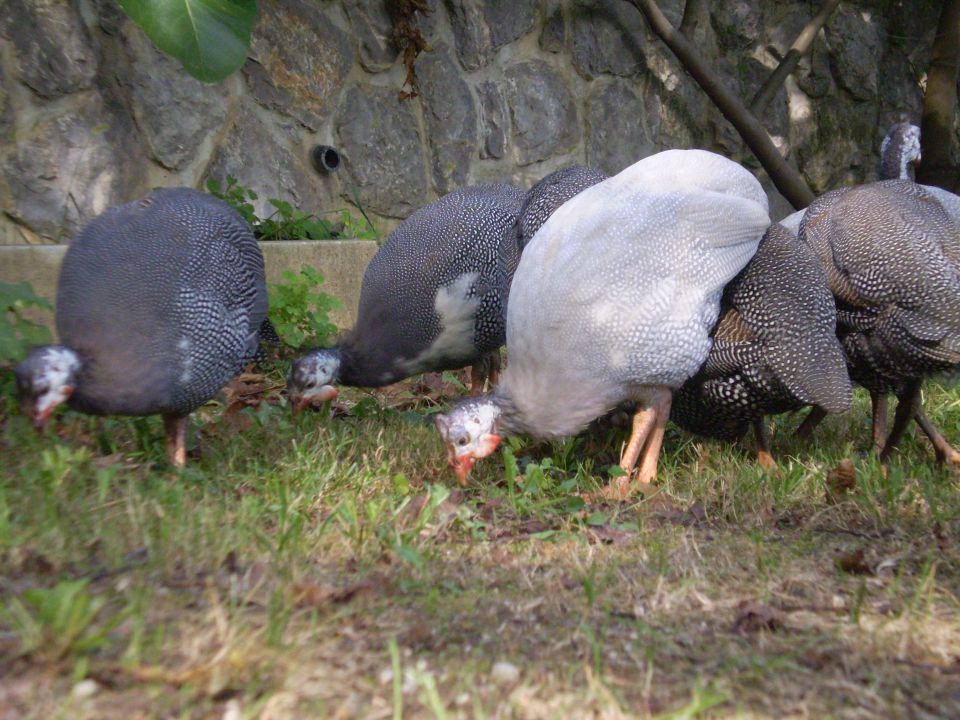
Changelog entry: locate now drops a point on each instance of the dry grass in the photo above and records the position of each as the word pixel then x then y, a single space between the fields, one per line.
pixel 328 567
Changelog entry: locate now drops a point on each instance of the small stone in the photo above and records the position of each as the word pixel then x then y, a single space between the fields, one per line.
pixel 85 689
pixel 504 673
pixel 233 710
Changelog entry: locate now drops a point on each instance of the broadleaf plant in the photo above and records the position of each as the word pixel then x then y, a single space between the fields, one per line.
pixel 210 38
pixel 17 333
pixel 299 313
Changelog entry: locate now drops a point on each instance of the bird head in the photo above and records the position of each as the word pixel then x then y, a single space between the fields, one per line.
pixel 469 432
pixel 46 379
pixel 311 377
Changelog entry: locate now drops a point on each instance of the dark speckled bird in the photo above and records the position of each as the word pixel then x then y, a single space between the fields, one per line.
pixel 432 298
pixel 159 304
pixel 774 350
pixel 891 251
pixel 549 194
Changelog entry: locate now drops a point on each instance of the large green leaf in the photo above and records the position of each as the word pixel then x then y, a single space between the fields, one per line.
pixel 209 37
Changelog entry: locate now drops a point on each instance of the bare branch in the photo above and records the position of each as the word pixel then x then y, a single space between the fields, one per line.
pixel 799 48
pixel 938 165
pixel 786 178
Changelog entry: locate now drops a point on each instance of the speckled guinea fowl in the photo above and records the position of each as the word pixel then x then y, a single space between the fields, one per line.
pixel 774 350
pixel 899 152
pixel 614 300
pixel 543 199
pixel 431 298
pixel 159 304
pixel 892 256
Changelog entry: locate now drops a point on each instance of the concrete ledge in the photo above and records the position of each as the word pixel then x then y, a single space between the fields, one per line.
pixel 341 262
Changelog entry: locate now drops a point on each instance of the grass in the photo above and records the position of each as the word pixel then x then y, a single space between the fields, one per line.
pixel 327 565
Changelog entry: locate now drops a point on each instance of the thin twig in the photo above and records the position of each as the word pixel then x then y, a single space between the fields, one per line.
pixel 800 47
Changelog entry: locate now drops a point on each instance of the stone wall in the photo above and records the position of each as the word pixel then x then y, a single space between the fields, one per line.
pixel 91 114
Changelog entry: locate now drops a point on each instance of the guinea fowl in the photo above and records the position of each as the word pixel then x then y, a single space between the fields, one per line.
pixel 543 199
pixel 159 304
pixel 891 252
pixel 613 301
pixel 899 153
pixel 774 350
pixel 432 298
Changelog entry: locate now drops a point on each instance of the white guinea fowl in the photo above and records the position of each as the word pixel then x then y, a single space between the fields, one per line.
pixel 614 300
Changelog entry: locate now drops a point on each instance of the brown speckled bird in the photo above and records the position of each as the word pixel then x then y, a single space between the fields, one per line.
pixel 774 350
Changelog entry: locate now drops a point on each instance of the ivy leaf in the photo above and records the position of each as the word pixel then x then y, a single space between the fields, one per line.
pixel 210 38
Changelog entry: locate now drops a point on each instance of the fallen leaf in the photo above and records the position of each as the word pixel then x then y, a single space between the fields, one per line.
pixel 418 635
pixel 841 480
pixel 310 594
pixel 854 563
pixel 105 461
pixel 610 535
pixel 665 511
pixel 754 617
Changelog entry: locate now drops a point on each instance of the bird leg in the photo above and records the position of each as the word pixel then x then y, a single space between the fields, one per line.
pixel 809 424
pixel 487 367
pixel 649 423
pixel 651 451
pixel 908 403
pixel 175 427
pixel 764 456
pixel 878 430
pixel 944 450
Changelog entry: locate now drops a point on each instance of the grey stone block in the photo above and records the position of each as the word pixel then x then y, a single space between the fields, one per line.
pixel 382 150
pixel 298 61
pixel 451 118
pixel 542 112
pixel 54 55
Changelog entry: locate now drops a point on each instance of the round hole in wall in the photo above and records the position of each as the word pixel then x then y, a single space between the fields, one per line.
pixel 325 159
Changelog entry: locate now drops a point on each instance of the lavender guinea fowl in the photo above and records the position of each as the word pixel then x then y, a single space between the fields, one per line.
pixel 613 300
pixel 775 348
pixel 431 298
pixel 159 304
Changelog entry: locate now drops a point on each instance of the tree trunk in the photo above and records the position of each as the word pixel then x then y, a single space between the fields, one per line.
pixel 938 165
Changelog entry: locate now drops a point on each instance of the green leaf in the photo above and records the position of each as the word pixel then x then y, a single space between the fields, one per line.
pixel 210 38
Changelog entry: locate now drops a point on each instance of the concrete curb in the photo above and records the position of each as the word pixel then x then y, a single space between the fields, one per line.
pixel 341 262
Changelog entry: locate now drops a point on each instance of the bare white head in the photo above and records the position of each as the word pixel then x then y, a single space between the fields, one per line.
pixel 311 378
pixel 469 432
pixel 46 379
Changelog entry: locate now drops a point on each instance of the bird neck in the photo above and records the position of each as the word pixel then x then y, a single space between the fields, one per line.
pixel 511 419
pixel 896 153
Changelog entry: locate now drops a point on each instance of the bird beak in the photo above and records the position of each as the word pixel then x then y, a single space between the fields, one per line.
pixel 317 397
pixel 41 416
pixel 462 464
